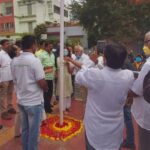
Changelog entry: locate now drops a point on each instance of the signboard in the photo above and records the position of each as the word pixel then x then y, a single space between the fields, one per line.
pixel 44 36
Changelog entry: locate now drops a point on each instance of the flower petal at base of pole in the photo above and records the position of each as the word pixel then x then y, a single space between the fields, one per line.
pixel 54 131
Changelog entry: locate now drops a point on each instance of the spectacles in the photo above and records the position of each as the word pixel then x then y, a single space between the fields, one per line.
pixel 147 41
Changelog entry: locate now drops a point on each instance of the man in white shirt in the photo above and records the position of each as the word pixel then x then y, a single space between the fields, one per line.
pixel 141 108
pixel 107 92
pixel 6 88
pixel 28 76
pixel 83 59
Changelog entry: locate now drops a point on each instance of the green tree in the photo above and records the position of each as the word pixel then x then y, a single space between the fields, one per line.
pixel 40 29
pixel 142 17
pixel 111 19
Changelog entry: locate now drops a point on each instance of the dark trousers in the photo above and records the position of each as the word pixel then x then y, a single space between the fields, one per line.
pixel 48 96
pixel 88 146
pixel 144 139
pixel 73 84
pixel 129 125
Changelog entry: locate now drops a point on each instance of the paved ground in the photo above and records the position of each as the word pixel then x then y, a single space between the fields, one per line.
pixel 8 142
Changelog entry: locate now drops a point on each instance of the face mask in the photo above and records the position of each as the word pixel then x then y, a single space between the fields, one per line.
pixel 138 59
pixel 65 52
pixel 78 57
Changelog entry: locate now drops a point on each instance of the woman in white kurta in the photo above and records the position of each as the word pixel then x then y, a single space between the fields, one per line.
pixel 68 89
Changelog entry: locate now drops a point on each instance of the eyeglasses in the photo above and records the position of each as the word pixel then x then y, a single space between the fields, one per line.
pixel 147 41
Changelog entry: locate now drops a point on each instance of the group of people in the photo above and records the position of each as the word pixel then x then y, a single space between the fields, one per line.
pixel 32 73
pixel 110 90
pixel 6 84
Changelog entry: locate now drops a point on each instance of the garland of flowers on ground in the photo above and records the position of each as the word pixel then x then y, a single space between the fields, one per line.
pixel 54 131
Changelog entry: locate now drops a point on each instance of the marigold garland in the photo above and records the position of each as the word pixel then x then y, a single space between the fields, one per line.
pixel 52 129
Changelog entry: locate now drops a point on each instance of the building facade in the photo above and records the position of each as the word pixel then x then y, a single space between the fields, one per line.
pixel 74 33
pixel 7 21
pixel 22 16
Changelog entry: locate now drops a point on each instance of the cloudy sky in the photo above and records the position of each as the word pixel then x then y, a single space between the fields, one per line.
pixel 67 1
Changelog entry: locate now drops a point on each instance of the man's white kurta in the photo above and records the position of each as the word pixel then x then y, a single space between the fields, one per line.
pixel 107 92
pixel 140 108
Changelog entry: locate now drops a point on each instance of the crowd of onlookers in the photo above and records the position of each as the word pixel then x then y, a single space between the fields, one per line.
pixel 110 79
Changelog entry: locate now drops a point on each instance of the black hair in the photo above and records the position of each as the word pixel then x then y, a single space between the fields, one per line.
pixel 115 55
pixel 28 41
pixel 4 41
pixel 42 42
pixel 47 43
pixel 12 52
pixel 18 43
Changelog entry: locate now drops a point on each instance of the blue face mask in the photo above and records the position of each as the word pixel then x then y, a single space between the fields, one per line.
pixel 66 52
pixel 138 59
pixel 78 57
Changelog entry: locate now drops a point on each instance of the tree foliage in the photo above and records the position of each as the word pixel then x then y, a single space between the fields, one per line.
pixel 112 19
pixel 39 29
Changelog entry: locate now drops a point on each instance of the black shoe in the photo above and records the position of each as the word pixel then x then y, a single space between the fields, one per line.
pixel 49 111
pixel 125 144
pixel 17 136
pixel 12 111
pixel 67 109
pixel 1 126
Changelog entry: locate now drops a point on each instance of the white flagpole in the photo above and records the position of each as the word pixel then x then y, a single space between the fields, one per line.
pixel 61 77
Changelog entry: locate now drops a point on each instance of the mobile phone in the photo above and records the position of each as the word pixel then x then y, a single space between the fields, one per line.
pixel 136 74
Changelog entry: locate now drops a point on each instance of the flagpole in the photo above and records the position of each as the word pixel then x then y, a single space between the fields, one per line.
pixel 61 75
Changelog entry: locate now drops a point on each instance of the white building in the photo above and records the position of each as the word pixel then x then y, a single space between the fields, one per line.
pixel 75 33
pixel 30 13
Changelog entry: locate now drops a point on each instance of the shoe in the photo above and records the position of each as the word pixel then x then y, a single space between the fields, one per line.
pixel 67 109
pixel 17 136
pixel 6 116
pixel 125 144
pixel 49 111
pixel 12 111
pixel 1 126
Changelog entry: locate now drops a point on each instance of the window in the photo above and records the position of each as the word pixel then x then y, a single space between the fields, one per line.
pixel 11 25
pixel 9 10
pixel 6 27
pixel 29 8
pixel 66 13
pixel 6 8
pixel 2 27
pixel 30 27
pixel 56 9
pixel 49 5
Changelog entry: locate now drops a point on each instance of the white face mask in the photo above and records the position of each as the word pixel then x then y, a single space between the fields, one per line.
pixel 65 52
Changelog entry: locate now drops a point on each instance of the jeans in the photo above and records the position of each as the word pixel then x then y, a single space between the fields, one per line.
pixel 48 96
pixel 30 122
pixel 129 125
